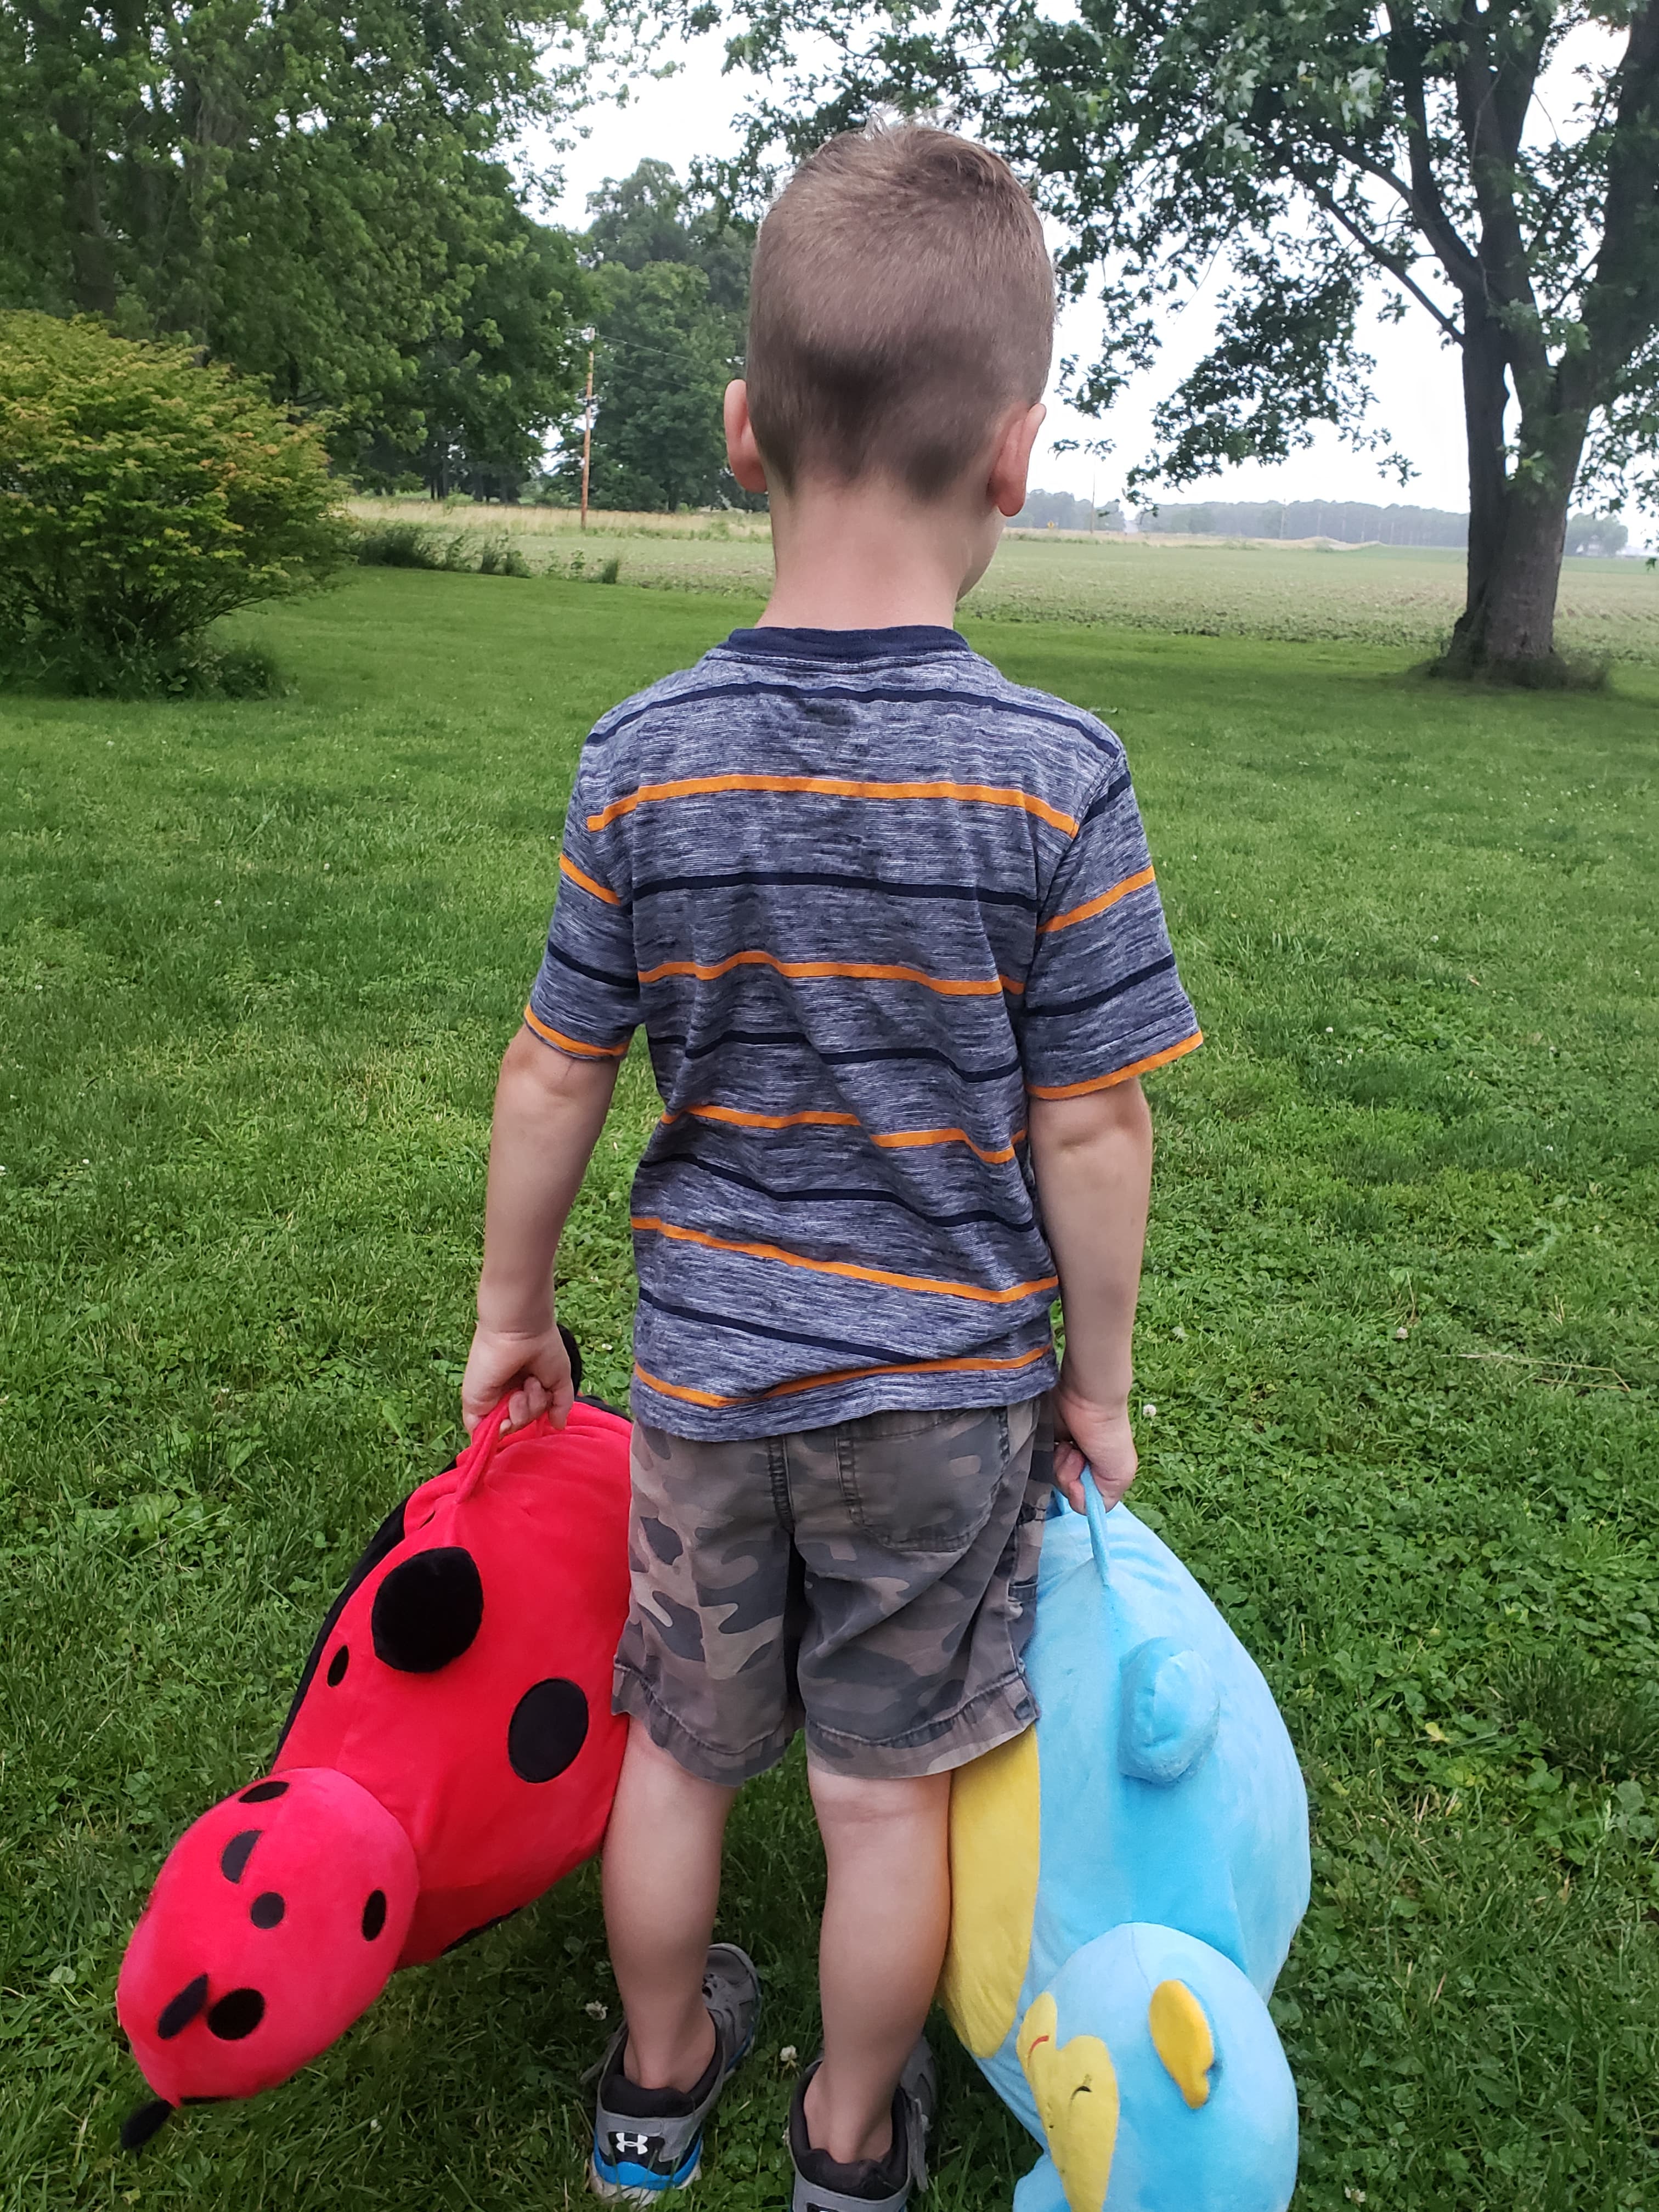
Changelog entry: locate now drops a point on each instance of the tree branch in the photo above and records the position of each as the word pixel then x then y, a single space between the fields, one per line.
pixel 1505 280
pixel 1622 302
pixel 1393 263
pixel 1423 198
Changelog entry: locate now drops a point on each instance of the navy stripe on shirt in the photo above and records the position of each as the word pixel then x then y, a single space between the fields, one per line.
pixel 1124 984
pixel 807 879
pixel 884 695
pixel 669 1042
pixel 838 1195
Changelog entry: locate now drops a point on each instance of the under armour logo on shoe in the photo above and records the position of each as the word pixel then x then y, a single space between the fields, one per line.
pixel 633 2145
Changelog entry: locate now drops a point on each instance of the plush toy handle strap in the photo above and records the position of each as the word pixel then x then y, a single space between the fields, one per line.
pixel 1096 1508
pixel 474 1462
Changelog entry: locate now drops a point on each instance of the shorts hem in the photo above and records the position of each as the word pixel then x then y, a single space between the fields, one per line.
pixel 996 1715
pixel 634 1696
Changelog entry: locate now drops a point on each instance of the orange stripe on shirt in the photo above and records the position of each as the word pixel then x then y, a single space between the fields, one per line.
pixel 567 867
pixel 1090 908
pixel 832 787
pixel 894 1140
pixel 844 1375
pixel 564 1044
pixel 904 1141
pixel 869 971
pixel 742 1120
pixel 846 1268
pixel 1118 1074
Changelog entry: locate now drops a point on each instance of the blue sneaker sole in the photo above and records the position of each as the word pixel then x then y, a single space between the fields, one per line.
pixel 624 2183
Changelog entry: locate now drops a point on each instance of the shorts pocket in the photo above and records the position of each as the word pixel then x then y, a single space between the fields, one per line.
pixel 924 1485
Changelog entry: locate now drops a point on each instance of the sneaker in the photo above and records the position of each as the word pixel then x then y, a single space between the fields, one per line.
pixel 883 2185
pixel 646 2142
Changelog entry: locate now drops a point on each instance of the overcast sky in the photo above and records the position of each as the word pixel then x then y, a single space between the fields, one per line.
pixel 1416 381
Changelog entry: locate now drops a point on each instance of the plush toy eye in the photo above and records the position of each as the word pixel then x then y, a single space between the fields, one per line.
pixel 262 1793
pixel 237 2014
pixel 337 1666
pixel 373 1915
pixel 427 1610
pixel 233 1860
pixel 267 1909
pixel 179 2012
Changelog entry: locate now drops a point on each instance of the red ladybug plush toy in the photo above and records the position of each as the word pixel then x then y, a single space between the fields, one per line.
pixel 451 1754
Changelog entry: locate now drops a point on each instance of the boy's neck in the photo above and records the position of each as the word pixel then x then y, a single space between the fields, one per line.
pixel 863 555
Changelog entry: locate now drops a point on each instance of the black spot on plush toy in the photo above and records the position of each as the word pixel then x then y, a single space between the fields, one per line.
pixel 450 1753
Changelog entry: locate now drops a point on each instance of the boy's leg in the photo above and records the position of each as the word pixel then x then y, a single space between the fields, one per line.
pixel 919 1535
pixel 886 1920
pixel 662 1883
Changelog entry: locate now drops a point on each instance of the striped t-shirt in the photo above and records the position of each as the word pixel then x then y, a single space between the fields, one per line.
pixel 866 894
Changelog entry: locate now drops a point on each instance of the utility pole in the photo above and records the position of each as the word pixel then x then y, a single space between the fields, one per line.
pixel 588 426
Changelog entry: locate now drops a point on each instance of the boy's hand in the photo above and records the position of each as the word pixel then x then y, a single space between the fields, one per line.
pixel 549 1111
pixel 534 1366
pixel 1098 1437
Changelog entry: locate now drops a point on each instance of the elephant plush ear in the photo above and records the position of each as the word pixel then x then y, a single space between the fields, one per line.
pixel 1181 2036
pixel 1171 1710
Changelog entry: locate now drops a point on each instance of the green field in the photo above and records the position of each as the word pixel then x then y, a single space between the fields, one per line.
pixel 1363 594
pixel 259 962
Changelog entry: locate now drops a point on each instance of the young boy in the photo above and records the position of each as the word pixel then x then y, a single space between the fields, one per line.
pixel 891 927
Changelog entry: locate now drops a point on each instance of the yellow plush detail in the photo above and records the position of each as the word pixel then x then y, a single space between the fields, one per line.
pixel 995 1848
pixel 1182 2038
pixel 1075 2086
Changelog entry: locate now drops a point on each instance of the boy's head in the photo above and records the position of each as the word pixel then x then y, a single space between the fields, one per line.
pixel 902 301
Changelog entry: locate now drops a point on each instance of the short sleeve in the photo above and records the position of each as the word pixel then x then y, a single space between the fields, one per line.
pixel 1102 1001
pixel 585 998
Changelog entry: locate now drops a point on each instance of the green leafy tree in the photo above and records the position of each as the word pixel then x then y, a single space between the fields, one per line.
pixel 142 495
pixel 651 216
pixel 307 190
pixel 662 361
pixel 1312 149
pixel 1596 533
pixel 671 271
pixel 490 387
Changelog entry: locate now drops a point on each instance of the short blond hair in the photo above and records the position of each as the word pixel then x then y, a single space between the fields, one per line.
pixel 902 297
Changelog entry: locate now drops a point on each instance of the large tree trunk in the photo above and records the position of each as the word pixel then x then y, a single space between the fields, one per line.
pixel 1517 525
pixel 1486 395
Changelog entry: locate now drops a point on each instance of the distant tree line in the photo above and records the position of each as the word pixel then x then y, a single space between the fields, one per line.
pixel 1352 522
pixel 1060 509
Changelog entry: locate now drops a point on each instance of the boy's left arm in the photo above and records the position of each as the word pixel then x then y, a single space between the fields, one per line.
pixel 556 1079
pixel 550 1109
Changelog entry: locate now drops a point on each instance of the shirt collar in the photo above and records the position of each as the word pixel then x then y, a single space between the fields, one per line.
pixel 903 642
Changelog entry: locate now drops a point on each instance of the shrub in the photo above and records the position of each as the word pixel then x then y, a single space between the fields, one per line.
pixel 412 545
pixel 400 545
pixel 498 558
pixel 142 495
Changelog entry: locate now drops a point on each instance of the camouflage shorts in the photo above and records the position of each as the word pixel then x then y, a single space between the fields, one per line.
pixel 873 1581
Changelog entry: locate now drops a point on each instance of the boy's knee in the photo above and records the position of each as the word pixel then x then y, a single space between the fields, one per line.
pixel 848 1802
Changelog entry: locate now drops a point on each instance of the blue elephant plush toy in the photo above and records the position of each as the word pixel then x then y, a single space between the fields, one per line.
pixel 1128 1874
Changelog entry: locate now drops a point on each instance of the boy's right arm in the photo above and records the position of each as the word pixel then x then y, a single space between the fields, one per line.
pixel 1093 1160
pixel 550 1109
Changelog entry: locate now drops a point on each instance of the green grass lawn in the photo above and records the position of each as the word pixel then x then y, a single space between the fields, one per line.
pixel 259 962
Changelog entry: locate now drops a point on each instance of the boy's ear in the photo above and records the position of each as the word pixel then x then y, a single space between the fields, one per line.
pixel 1011 464
pixel 743 455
